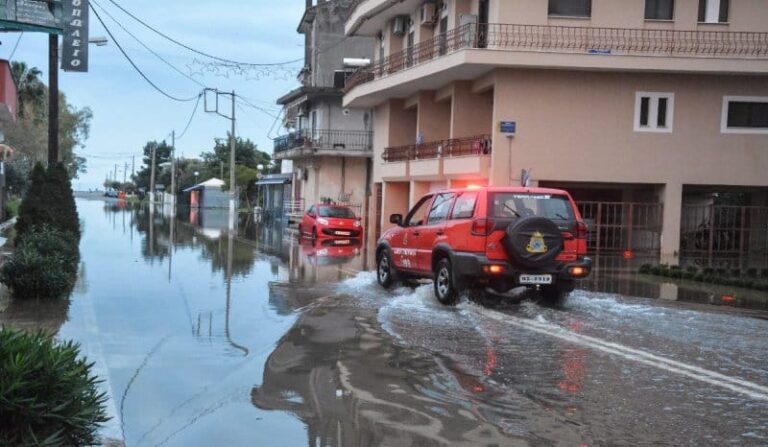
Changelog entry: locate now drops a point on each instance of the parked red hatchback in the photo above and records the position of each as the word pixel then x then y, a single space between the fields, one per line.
pixel 497 237
pixel 330 221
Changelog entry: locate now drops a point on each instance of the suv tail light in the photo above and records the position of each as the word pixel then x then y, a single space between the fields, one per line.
pixel 482 227
pixel 581 230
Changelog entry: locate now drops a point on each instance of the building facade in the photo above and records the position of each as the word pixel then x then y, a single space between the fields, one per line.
pixel 330 145
pixel 653 113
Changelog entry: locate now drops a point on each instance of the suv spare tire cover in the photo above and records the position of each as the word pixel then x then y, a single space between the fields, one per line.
pixel 533 241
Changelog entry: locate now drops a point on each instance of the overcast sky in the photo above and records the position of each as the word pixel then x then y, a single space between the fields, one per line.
pixel 128 112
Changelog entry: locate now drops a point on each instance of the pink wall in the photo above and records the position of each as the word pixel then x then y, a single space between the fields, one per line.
pixel 7 88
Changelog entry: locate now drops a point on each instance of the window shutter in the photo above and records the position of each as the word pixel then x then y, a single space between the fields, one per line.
pixel 724 11
pixel 702 10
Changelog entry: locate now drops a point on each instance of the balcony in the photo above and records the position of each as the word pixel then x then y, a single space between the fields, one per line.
pixel 567 47
pixel 308 143
pixel 458 157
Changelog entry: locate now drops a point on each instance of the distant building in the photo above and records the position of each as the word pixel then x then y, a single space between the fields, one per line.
pixel 330 146
pixel 640 108
pixel 208 194
pixel 8 110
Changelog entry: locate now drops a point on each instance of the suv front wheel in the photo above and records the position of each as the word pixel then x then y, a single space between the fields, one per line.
pixel 445 289
pixel 385 270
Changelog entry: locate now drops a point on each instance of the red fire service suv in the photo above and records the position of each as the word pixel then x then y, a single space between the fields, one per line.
pixel 330 221
pixel 497 237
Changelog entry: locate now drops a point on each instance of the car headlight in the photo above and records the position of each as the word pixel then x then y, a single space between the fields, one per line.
pixel 322 221
pixel 357 224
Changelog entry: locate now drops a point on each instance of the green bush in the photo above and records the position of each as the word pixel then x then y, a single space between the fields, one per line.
pixel 48 396
pixel 764 273
pixel 645 269
pixel 49 201
pixel 708 271
pixel 752 273
pixel 735 272
pixel 693 270
pixel 44 265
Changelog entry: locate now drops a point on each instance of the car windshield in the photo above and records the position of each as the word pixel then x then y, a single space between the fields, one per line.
pixel 510 205
pixel 337 212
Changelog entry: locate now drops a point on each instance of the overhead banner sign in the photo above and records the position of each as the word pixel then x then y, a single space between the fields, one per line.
pixel 75 21
pixel 31 15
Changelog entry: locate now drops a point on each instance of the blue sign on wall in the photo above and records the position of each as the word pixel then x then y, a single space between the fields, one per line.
pixel 508 127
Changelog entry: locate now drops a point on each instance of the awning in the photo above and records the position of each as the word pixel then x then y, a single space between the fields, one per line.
pixel 274 181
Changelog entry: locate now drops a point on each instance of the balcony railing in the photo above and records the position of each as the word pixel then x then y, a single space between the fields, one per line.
pixel 456 147
pixel 571 39
pixel 325 140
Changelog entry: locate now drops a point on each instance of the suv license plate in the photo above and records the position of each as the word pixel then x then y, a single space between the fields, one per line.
pixel 343 233
pixel 536 279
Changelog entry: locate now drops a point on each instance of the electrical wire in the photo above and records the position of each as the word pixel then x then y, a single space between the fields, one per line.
pixel 10 58
pixel 189 123
pixel 221 59
pixel 133 64
pixel 165 61
pixel 260 109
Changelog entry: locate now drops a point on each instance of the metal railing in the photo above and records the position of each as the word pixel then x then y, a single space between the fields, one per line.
pixel 719 235
pixel 326 140
pixel 455 147
pixel 615 227
pixel 570 39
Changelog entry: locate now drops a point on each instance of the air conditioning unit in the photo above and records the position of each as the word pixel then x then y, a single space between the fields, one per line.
pixel 400 25
pixel 428 14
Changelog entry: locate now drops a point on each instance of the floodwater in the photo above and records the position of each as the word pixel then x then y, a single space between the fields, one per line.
pixel 210 338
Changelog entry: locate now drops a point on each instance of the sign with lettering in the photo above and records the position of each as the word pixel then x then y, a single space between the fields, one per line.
pixel 508 128
pixel 31 15
pixel 75 50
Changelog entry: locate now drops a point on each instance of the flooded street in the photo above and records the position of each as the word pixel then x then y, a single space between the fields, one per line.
pixel 205 338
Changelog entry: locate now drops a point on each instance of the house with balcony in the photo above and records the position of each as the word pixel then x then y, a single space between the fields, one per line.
pixel 330 145
pixel 653 113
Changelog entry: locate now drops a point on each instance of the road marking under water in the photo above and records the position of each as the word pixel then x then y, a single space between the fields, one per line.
pixel 753 390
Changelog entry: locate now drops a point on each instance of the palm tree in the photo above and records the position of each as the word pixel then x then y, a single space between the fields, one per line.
pixel 32 91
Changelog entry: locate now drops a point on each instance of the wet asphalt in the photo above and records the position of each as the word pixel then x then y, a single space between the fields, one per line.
pixel 256 339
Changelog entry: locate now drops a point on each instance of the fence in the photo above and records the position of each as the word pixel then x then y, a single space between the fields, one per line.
pixel 724 236
pixel 570 39
pixel 339 140
pixel 616 227
pixel 455 147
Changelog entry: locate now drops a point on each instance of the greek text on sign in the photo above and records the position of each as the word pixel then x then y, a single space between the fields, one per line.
pixel 75 50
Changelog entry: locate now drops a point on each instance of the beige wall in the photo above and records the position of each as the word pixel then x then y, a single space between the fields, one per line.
pixel 579 127
pixel 332 176
pixel 472 113
pixel 434 118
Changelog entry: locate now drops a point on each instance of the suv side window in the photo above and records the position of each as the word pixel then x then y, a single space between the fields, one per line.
pixel 311 210
pixel 465 206
pixel 440 208
pixel 418 214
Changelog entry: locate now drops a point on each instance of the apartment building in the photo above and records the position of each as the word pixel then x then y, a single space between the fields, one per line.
pixel 330 145
pixel 653 113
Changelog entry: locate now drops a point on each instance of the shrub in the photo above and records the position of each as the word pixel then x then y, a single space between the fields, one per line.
pixel 752 273
pixel 645 269
pixel 49 201
pixel 764 273
pixel 47 395
pixel 721 272
pixel 735 272
pixel 708 271
pixel 44 265
pixel 698 277
pixel 692 269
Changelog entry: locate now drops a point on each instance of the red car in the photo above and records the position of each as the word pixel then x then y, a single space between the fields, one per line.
pixel 497 237
pixel 330 221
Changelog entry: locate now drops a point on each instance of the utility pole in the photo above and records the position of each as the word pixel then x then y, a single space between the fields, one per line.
pixel 152 178
pixel 53 99
pixel 173 169
pixel 133 167
pixel 125 175
pixel 232 144
pixel 114 177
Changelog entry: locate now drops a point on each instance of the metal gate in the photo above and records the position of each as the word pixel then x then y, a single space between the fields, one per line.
pixel 724 236
pixel 618 227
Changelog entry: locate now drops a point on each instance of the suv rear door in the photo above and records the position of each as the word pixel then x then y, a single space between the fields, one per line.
pixel 458 229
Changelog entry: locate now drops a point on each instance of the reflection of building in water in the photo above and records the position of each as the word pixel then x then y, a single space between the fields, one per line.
pixel 340 376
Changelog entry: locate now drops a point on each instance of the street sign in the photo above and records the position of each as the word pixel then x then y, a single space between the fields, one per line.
pixel 508 128
pixel 31 15
pixel 75 50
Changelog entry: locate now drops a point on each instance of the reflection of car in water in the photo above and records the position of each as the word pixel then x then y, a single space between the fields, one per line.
pixel 331 251
pixel 330 221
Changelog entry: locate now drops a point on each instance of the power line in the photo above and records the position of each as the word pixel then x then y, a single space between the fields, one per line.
pixel 133 64
pixel 146 47
pixel 189 123
pixel 10 58
pixel 260 109
pixel 221 59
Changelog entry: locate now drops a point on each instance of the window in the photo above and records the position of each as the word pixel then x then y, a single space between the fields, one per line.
pixel 465 206
pixel 336 212
pixel 508 205
pixel 745 114
pixel 418 214
pixel 659 9
pixel 570 8
pixel 713 11
pixel 654 112
pixel 440 208
pixel 311 211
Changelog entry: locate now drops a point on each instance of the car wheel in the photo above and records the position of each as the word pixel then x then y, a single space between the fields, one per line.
pixel 445 289
pixel 554 295
pixel 386 274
